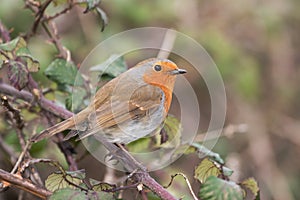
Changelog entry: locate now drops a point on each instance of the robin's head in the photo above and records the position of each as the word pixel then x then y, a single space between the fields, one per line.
pixel 161 72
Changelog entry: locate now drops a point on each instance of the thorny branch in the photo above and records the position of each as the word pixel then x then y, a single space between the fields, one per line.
pixel 125 158
pixel 48 26
pixel 39 15
pixel 141 175
pixel 18 123
pixel 38 97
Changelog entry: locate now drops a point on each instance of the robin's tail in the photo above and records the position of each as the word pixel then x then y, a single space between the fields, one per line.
pixel 66 124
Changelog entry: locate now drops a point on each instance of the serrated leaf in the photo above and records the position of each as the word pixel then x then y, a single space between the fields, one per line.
pixel 205 169
pixel 217 189
pixel 14 44
pixel 250 185
pixel 68 193
pixel 10 48
pixel 140 145
pixel 99 187
pixel 112 67
pixel 17 74
pixel 57 181
pixel 171 133
pixel 202 151
pixel 63 72
pixel 32 64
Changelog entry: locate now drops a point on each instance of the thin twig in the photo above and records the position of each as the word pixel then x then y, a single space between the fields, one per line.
pixel 123 188
pixel 187 182
pixel 48 26
pixel 39 16
pixel 19 124
pixel 65 10
pixel 51 30
pixel 14 170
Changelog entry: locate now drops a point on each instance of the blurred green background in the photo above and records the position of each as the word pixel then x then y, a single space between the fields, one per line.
pixel 255 45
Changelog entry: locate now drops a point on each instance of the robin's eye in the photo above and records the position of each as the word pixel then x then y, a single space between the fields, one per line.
pixel 157 68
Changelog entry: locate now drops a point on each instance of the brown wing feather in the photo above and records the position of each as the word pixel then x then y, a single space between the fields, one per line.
pixel 121 110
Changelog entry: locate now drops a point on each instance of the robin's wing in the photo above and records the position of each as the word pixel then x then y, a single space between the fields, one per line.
pixel 124 107
pixel 120 109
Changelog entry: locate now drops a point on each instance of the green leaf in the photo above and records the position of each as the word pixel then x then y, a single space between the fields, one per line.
pixel 68 193
pixel 251 187
pixel 170 134
pixel 112 67
pixel 140 145
pixel 63 72
pixel 18 47
pixel 227 171
pixel 202 151
pixel 57 181
pixel 103 17
pixel 189 150
pixel 77 174
pixel 59 2
pixel 98 187
pixel 217 189
pixel 17 74
pixel 183 149
pixel 90 4
pixel 205 169
pixel 32 64
pixel 74 101
pixel 11 47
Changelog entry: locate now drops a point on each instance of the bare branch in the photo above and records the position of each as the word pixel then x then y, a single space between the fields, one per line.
pixel 27 96
pixel 65 10
pixel 39 15
pixel 23 184
pixel 51 30
pixel 124 157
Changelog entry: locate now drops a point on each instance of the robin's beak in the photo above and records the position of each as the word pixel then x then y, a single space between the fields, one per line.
pixel 178 71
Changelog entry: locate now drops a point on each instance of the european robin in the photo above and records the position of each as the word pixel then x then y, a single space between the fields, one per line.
pixel 130 106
